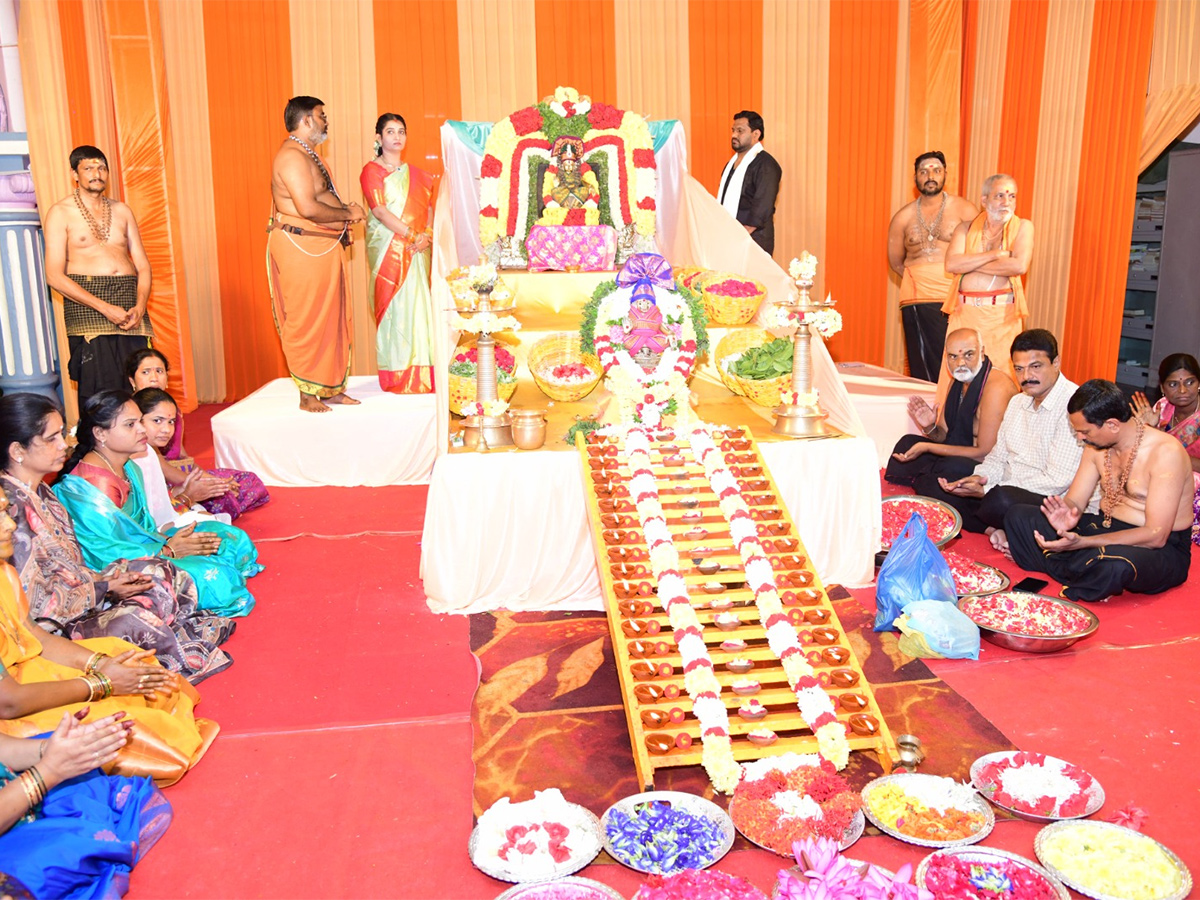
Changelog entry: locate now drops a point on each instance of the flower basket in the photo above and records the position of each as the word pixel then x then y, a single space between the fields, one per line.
pixel 562 349
pixel 462 387
pixel 690 276
pixel 727 308
pixel 764 393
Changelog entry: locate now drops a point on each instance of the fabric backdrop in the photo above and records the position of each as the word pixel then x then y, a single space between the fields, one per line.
pixel 851 90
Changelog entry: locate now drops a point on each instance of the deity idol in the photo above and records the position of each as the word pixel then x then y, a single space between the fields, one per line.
pixel 646 336
pixel 570 183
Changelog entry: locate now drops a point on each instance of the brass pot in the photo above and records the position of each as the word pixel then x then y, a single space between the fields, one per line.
pixel 528 428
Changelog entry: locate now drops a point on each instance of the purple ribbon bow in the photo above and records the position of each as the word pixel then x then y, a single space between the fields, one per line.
pixel 644 272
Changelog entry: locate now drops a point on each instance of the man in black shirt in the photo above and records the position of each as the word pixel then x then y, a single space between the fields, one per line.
pixel 750 181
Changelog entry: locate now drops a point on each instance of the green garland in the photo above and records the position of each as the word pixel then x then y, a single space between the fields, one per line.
pixel 583 426
pixel 555 126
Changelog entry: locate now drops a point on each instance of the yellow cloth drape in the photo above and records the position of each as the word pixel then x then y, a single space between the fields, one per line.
pixel 166 739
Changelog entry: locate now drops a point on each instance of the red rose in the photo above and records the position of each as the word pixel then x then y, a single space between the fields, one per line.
pixel 491 167
pixel 526 121
pixel 603 116
pixel 490 212
pixel 647 203
pixel 643 158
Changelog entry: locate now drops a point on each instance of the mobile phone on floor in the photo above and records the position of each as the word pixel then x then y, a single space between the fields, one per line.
pixel 1030 585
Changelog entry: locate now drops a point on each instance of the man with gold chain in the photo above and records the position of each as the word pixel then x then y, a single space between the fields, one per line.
pixel 95 259
pixel 989 255
pixel 309 230
pixel 1141 540
pixel 918 237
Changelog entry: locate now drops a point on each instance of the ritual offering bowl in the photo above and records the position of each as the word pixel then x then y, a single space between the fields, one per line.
pixel 744 687
pixel 816 616
pixel 808 596
pixel 635 607
pixel 835 656
pixel 740 666
pixel 692 515
pixel 762 737
pixel 528 428
pixel 825 635
pixel 713 587
pixel 708 567
pixel 639 627
pixel 864 724
pixel 727 621
pixel 853 702
pixel 843 678
pixel 627 570
pixel 721 603
pixel 660 718
pixel 652 693
pixel 801 578
pixel 689 502
pixel 752 710
pixel 733 645
pixel 1032 623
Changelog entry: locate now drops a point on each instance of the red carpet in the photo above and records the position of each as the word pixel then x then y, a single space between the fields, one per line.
pixel 344 764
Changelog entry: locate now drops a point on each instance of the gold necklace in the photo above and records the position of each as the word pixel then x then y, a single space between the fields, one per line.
pixel 99 232
pixel 104 460
pixel 1110 491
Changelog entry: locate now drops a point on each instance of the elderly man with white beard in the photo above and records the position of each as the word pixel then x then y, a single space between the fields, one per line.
pixel 954 438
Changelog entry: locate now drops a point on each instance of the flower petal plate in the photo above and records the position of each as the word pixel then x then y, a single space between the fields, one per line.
pixel 852 833
pixel 994 856
pixel 498 870
pixel 1184 885
pixel 1005 581
pixel 987 789
pixel 946 508
pixel 530 891
pixel 978 805
pixel 696 806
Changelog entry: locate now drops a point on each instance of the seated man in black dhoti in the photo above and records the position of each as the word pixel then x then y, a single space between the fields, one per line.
pixel 963 433
pixel 1141 541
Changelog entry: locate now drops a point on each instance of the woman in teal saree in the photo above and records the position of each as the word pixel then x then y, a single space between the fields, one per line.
pixel 104 494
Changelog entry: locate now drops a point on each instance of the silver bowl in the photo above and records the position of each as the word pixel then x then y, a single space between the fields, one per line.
pixel 1034 643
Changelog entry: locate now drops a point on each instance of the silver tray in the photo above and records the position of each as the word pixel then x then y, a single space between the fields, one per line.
pixel 928 501
pixel 980 806
pixel 1095 801
pixel 852 833
pixel 1185 877
pixel 990 854
pixel 505 873
pixel 524 891
pixel 693 804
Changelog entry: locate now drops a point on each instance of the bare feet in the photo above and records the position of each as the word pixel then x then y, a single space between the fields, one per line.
pixel 1000 542
pixel 343 399
pixel 311 403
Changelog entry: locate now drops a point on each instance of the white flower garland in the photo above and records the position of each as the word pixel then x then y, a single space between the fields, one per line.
pixel 814 704
pixel 485 323
pixel 699 678
pixel 803 268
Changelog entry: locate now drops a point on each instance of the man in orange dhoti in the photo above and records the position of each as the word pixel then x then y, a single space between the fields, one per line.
pixel 305 260
pixel 917 240
pixel 990 255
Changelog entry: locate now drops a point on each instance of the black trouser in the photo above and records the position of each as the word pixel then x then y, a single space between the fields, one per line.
pixel 1096 573
pixel 99 364
pixel 927 467
pixel 979 514
pixel 924 338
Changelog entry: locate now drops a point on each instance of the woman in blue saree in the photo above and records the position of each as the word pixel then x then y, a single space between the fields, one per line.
pixel 66 828
pixel 104 494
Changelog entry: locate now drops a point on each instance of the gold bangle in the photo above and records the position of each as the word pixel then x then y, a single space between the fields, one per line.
pixel 106 684
pixel 930 430
pixel 169 549
pixel 37 777
pixel 93 664
pixel 87 680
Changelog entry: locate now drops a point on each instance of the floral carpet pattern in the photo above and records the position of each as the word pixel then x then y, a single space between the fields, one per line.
pixel 548 710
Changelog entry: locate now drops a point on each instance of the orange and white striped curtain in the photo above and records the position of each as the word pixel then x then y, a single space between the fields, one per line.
pixel 187 98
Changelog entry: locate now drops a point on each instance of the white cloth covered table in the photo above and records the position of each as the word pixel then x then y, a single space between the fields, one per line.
pixel 388 439
pixel 509 530
pixel 880 397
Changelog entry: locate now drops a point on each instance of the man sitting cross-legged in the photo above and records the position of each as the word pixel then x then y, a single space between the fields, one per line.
pixel 1036 453
pixel 961 435
pixel 1141 541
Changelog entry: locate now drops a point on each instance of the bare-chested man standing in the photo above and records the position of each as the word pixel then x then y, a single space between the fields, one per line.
pixel 917 241
pixel 1141 541
pixel 990 255
pixel 95 259
pixel 306 260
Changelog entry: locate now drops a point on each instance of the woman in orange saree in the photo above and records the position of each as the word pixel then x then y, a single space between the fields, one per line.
pixel 399 237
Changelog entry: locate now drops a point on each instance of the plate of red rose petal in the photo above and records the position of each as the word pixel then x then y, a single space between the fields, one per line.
pixel 986 872
pixel 1037 787
pixel 974 579
pixel 942 521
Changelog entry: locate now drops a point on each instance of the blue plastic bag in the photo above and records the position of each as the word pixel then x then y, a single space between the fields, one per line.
pixel 946 630
pixel 914 570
